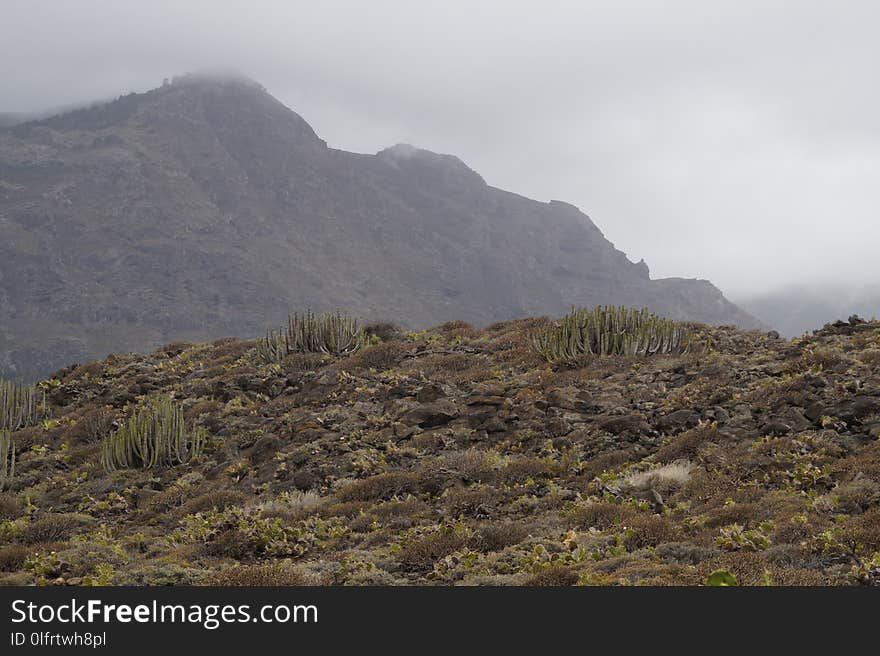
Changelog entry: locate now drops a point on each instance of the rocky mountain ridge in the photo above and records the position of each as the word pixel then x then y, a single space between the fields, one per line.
pixel 206 208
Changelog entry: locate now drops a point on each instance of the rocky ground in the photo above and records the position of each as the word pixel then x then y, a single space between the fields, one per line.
pixel 457 456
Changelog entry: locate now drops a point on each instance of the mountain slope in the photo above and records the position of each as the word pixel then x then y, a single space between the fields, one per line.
pixel 206 208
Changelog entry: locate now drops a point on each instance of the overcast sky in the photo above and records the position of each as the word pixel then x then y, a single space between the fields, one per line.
pixel 735 141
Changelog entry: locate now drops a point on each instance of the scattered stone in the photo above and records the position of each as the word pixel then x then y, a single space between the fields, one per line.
pixel 431 414
pixel 678 420
pixel 429 392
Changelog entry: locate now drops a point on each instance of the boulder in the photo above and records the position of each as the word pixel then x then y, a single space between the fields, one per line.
pixel 431 414
pixel 678 420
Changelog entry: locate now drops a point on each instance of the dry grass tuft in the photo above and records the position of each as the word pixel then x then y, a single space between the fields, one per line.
pixel 554 575
pixel 648 531
pixel 381 356
pixel 600 515
pixel 276 574
pixel 421 553
pixel 55 527
pixel 686 445
pixel 660 480
pixel 385 486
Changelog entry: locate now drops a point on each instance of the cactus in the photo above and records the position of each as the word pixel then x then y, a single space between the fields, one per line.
pixel 153 436
pixel 7 459
pixel 333 333
pixel 721 577
pixel 20 405
pixel 610 331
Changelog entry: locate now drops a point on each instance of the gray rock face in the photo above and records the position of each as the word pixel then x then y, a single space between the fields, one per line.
pixel 206 208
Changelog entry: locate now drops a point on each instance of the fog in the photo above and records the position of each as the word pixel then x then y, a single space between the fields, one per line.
pixel 734 141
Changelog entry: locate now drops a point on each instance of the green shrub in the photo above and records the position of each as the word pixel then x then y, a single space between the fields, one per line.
pixel 734 538
pixel 153 436
pixel 333 333
pixel 721 577
pixel 610 331
pixel 7 459
pixel 20 405
pixel 54 527
pixel 242 534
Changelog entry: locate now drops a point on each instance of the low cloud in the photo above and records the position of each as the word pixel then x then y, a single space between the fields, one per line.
pixel 735 141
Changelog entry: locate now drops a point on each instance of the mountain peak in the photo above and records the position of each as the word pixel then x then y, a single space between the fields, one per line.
pixel 226 104
pixel 406 156
pixel 206 207
pixel 215 77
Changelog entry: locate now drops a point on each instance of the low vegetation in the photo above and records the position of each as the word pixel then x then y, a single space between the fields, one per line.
pixel 153 436
pixel 332 333
pixel 20 405
pixel 7 459
pixel 455 455
pixel 611 331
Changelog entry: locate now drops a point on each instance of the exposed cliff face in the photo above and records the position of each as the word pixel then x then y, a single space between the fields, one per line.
pixel 206 208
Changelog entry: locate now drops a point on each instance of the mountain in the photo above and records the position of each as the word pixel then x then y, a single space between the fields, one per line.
pixel 798 309
pixel 206 208
pixel 8 119
pixel 457 456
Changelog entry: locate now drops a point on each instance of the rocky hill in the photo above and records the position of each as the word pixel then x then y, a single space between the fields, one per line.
pixel 457 456
pixel 206 208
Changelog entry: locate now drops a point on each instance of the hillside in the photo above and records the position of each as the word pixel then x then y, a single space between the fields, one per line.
pixel 206 208
pixel 457 456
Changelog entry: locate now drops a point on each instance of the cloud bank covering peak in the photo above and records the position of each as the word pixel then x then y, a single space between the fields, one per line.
pixel 735 141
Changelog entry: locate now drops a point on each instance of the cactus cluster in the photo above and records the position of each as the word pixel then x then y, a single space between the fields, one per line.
pixel 7 459
pixel 153 436
pixel 20 405
pixel 334 333
pixel 610 331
